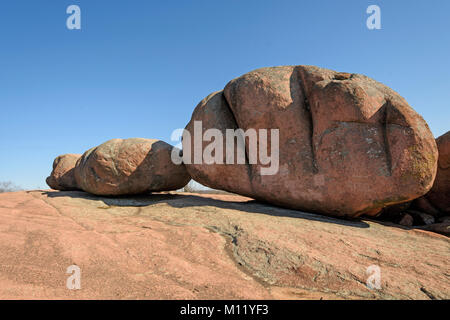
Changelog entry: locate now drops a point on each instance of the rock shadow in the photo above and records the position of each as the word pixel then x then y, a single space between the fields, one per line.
pixel 189 200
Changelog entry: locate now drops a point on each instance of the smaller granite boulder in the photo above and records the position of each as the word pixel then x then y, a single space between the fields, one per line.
pixel 63 177
pixel 437 200
pixel 130 166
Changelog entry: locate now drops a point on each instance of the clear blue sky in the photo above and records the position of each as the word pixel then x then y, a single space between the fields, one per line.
pixel 138 68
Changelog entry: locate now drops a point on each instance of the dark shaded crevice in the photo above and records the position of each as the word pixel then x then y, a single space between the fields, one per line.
pixel 387 148
pixel 94 173
pixel 343 76
pixel 307 107
pixel 247 161
pixel 429 294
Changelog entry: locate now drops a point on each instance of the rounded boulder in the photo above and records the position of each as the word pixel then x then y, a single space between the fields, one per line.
pixel 63 175
pixel 347 144
pixel 129 166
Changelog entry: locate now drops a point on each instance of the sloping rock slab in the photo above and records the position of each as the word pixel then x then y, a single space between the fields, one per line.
pixel 192 246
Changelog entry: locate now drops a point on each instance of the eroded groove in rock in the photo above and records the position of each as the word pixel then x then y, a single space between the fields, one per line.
pixel 307 107
pixel 387 148
pixel 247 161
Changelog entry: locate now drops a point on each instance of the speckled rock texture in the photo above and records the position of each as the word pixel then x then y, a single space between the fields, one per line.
pixel 197 246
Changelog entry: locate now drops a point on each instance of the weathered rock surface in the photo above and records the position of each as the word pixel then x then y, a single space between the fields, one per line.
pixel 437 201
pixel 348 144
pixel 130 166
pixel 63 176
pixel 188 246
